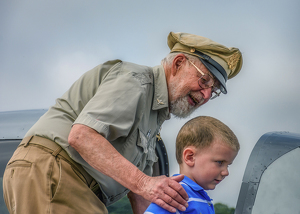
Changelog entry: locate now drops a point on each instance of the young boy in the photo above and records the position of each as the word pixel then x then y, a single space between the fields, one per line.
pixel 205 147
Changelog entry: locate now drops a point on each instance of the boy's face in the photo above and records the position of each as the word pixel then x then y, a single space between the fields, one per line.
pixel 211 164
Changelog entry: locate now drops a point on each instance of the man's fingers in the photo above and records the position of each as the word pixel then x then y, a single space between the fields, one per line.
pixel 173 193
pixel 169 204
pixel 178 188
pixel 173 203
pixel 167 193
pixel 164 205
pixel 174 199
pixel 177 178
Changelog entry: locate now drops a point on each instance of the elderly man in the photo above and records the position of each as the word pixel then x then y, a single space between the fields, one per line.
pixel 97 143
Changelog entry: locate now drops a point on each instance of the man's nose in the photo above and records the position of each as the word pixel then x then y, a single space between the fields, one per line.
pixel 206 93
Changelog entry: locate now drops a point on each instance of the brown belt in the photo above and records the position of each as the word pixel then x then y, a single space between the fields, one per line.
pixel 57 150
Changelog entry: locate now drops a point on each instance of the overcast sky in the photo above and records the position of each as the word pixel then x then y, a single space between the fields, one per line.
pixel 46 45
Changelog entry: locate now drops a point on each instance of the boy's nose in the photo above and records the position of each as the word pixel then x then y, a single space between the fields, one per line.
pixel 225 172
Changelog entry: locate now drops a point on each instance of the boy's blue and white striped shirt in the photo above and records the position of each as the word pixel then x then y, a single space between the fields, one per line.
pixel 199 202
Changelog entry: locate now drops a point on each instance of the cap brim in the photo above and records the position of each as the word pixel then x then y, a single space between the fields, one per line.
pixel 216 74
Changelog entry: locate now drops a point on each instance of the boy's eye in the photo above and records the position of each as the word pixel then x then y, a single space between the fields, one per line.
pixel 220 162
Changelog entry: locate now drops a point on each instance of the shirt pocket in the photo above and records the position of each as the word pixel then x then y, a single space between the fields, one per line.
pixel 152 157
pixel 142 141
pixel 148 146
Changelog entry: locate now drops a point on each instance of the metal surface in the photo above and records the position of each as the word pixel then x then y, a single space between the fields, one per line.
pixel 274 150
pixel 163 160
pixel 15 124
pixel 279 189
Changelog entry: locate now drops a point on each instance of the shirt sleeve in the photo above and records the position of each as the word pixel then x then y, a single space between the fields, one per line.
pixel 155 209
pixel 116 106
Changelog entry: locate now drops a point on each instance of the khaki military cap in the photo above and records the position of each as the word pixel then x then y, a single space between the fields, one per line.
pixel 223 62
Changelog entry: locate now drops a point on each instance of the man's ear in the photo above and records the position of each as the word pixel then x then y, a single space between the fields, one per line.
pixel 189 155
pixel 177 63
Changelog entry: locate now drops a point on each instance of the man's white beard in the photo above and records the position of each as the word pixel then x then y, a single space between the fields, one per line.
pixel 181 107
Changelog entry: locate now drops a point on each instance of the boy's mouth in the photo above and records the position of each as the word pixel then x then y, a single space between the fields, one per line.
pixel 218 181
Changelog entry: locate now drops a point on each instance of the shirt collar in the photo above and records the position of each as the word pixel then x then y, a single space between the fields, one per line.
pixel 191 183
pixel 160 98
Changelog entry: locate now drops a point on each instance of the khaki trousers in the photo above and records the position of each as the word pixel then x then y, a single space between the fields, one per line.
pixel 41 178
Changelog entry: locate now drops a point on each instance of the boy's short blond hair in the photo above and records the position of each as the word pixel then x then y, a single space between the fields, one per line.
pixel 201 132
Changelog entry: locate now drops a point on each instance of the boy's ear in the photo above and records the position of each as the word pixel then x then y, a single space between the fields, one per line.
pixel 189 156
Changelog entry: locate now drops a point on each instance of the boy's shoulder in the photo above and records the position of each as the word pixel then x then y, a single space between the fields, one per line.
pixel 193 189
pixel 198 201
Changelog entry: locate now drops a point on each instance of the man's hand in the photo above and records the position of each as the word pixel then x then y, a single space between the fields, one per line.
pixel 165 192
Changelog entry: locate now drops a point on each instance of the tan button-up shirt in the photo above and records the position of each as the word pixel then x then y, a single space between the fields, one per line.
pixel 124 102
